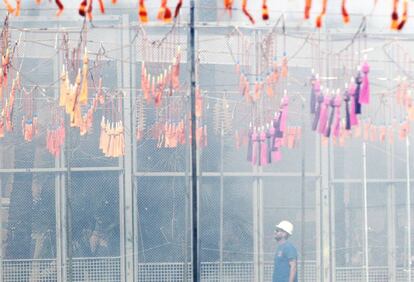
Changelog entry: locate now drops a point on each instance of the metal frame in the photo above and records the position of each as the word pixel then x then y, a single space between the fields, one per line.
pixel 129 262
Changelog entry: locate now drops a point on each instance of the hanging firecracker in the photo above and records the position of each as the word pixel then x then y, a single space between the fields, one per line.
pixel 55 133
pixel 154 86
pixel 112 137
pixel 30 126
pixel 265 142
pixel 8 109
pixel 164 13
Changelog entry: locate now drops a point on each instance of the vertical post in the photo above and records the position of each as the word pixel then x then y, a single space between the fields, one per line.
pixel 194 191
pixel 324 271
pixel 303 194
pixel 126 197
pixel 221 202
pixel 408 207
pixel 1 231
pixel 60 213
pixel 364 184
pixel 332 219
pixel 67 202
pixel 318 212
pixel 134 165
pixel 258 189
pixel 391 190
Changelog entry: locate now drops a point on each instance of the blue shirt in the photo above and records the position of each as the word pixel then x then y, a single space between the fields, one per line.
pixel 281 270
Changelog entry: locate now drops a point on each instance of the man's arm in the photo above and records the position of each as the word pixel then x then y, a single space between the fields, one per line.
pixel 292 273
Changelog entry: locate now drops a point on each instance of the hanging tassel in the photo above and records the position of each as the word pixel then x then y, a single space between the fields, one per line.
pixel 315 91
pixel 337 118
pixel 322 14
pixel 237 139
pixel 175 75
pixel 269 135
pixel 255 147
pixel 394 15
pixel 265 11
pixel 358 81
pixel 404 16
pixel 275 68
pixel 285 70
pixel 276 132
pixel 244 9
pixel 63 88
pixel 298 134
pixel 276 153
pixel 320 99
pixel 102 137
pixel 291 137
pixel 283 120
pixel 178 8
pixel 250 145
pixel 83 97
pixel 164 13
pixel 347 99
pixel 263 149
pixel 145 83
pixel 257 90
pixel 5 60
pixel 121 142
pixel 353 117
pixel 269 88
pixel 382 133
pixel 308 6
pixel 158 92
pixel 364 96
pixel 1 127
pixel 198 103
pixel 328 128
pixel 345 15
pixel 323 118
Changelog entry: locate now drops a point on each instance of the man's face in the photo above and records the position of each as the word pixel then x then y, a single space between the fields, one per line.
pixel 279 234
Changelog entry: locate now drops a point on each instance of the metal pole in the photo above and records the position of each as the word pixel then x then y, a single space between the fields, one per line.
pixel 194 191
pixel 67 202
pixel 303 200
pixel 221 201
pixel 364 184
pixel 1 232
pixel 408 208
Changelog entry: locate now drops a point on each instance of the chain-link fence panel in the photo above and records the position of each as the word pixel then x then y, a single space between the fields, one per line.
pixel 162 220
pixel 94 202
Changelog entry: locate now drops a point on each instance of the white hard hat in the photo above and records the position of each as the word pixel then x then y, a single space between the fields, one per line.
pixel 285 226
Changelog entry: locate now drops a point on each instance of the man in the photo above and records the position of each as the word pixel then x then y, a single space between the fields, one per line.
pixel 285 265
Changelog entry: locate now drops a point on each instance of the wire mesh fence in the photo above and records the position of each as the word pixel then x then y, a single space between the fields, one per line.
pixel 108 269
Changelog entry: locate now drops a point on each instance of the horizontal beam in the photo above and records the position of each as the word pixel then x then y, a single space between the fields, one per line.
pixel 226 174
pixel 58 170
